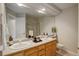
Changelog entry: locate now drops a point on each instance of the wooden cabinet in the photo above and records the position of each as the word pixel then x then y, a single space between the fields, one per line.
pixel 34 54
pixel 54 49
pixel 41 50
pixel 41 53
pixel 47 49
pixel 51 48
pixel 41 47
pixel 21 53
pixel 36 51
pixel 31 52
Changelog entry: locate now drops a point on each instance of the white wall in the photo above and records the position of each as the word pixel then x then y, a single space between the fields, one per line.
pixel 20 26
pixel 78 25
pixel 4 25
pixel 0 26
pixel 10 25
pixel 0 8
pixel 46 24
pixel 67 26
pixel 12 28
pixel 0 29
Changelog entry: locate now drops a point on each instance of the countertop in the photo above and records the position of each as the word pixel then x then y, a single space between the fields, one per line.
pixel 8 50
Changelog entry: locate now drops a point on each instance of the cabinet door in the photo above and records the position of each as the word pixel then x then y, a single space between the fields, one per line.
pixel 34 54
pixel 41 53
pixel 41 49
pixel 51 48
pixel 54 49
pixel 49 51
pixel 31 52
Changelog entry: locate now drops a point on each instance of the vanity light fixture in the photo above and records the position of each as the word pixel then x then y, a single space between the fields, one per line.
pixel 22 5
pixel 41 11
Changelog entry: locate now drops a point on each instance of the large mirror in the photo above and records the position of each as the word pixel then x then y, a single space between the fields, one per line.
pixel 19 25
pixel 11 25
pixel 15 27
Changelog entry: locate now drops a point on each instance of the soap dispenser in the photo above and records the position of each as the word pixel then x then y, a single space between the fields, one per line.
pixel 10 40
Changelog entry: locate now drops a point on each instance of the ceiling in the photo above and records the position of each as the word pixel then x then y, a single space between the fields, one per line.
pixel 64 5
pixel 32 8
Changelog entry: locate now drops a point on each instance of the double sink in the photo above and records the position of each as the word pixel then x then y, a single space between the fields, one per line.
pixel 25 44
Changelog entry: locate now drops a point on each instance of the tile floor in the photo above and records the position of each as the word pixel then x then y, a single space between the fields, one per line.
pixel 64 53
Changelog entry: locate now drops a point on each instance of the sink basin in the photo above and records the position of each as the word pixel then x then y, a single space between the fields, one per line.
pixel 19 45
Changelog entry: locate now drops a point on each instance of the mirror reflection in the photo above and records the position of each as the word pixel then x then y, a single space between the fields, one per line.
pixel 27 25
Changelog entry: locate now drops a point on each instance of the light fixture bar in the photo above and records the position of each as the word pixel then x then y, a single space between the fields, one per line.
pixel 22 5
pixel 41 11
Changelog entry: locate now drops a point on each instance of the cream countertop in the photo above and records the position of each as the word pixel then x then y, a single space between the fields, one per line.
pixel 9 50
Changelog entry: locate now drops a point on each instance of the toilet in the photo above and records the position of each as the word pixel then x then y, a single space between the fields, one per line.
pixel 62 51
pixel 60 46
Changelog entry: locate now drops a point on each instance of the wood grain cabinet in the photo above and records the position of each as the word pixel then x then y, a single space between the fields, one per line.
pixel 31 52
pixel 21 53
pixel 41 53
pixel 41 50
pixel 47 49
pixel 51 48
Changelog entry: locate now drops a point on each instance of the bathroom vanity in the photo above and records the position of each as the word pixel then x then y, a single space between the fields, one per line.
pixel 45 48
pixel 20 27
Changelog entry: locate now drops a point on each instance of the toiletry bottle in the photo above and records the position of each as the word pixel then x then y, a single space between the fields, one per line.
pixel 10 40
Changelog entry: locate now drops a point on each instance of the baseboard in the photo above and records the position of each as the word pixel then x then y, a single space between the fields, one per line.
pixel 72 53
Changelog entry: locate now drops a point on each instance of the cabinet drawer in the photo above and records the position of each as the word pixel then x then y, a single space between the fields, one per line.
pixel 42 52
pixel 30 51
pixel 41 47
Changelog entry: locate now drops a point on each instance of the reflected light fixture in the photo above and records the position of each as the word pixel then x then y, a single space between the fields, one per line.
pixel 22 5
pixel 41 11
